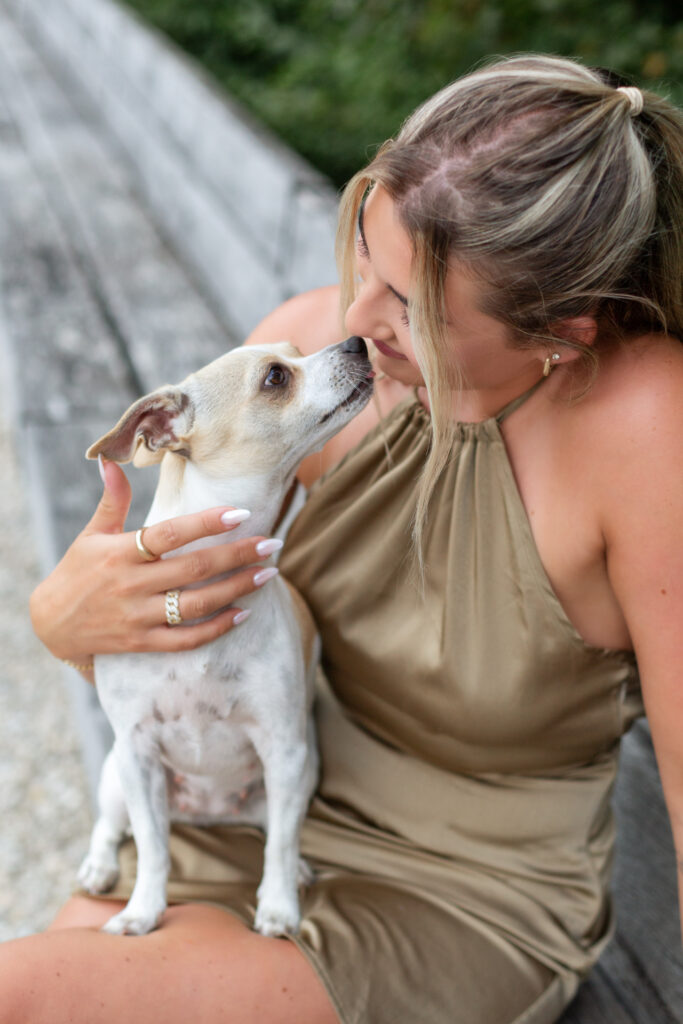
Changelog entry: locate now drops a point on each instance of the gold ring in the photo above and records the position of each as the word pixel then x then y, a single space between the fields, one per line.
pixel 173 616
pixel 148 555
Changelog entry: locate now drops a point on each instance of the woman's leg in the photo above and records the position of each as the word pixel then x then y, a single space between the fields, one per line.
pixel 202 965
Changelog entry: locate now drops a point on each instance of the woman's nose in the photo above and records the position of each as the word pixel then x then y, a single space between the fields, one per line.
pixel 364 316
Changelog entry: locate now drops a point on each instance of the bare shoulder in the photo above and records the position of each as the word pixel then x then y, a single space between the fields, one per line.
pixel 637 416
pixel 309 321
pixel 635 408
pixel 626 440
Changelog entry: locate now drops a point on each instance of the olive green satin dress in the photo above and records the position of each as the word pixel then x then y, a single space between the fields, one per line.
pixel 462 834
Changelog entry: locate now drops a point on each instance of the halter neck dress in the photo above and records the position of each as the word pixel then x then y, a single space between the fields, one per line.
pixel 462 833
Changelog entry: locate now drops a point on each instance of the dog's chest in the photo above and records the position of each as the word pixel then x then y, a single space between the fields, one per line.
pixel 199 718
pixel 195 707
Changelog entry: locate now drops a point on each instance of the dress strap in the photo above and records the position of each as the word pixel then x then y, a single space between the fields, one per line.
pixel 516 402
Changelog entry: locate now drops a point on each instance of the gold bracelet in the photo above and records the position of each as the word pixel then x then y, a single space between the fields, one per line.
pixel 88 667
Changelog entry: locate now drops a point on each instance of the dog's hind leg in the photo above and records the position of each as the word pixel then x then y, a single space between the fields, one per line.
pixel 100 869
pixel 290 776
pixel 144 782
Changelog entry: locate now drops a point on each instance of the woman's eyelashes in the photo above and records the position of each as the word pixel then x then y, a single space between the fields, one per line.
pixel 362 248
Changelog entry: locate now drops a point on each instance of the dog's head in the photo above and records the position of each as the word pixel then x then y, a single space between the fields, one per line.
pixel 254 408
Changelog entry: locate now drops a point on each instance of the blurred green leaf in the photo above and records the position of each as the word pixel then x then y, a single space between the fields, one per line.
pixel 334 78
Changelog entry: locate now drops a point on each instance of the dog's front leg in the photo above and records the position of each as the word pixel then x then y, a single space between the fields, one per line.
pixel 289 775
pixel 100 869
pixel 144 784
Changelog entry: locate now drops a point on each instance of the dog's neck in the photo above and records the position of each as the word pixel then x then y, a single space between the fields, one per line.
pixel 184 488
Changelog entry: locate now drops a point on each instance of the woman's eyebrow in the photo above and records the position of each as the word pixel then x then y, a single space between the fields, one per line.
pixel 361 208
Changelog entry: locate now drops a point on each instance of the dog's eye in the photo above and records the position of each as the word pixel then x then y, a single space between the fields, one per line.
pixel 277 376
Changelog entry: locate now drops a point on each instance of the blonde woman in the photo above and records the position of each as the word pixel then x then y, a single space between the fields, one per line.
pixel 495 568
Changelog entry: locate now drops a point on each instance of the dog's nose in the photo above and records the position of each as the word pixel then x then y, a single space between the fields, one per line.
pixel 355 345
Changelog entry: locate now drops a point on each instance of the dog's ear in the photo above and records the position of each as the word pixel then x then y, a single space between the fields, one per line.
pixel 159 422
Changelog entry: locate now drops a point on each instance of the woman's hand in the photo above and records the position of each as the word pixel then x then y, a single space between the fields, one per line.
pixel 104 598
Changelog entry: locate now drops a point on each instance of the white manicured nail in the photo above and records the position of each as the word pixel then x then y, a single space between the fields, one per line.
pixel 268 547
pixel 266 574
pixel 100 466
pixel 235 516
pixel 241 616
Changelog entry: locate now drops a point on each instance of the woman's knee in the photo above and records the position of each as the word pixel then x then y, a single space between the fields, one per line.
pixel 201 963
pixel 85 912
pixel 33 975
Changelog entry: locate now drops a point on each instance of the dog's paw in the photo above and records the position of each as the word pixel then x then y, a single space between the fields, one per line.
pixel 97 876
pixel 133 923
pixel 277 917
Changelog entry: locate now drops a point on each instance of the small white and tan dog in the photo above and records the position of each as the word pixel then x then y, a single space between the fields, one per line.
pixel 223 733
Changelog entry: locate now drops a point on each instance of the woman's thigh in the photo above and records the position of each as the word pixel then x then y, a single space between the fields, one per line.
pixel 202 964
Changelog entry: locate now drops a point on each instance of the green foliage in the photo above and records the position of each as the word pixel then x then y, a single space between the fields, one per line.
pixel 334 78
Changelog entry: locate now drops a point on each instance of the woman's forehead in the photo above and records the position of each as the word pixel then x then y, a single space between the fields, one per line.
pixel 391 251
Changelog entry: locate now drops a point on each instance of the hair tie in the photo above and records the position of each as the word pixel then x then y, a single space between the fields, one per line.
pixel 634 97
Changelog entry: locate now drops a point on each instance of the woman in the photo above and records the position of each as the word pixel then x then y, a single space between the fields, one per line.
pixel 486 564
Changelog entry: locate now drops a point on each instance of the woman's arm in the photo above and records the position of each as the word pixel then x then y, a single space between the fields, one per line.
pixel 310 321
pixel 643 527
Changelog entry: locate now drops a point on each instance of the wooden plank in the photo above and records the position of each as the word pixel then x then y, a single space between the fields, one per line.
pixel 620 991
pixel 639 979
pixel 596 1003
pixel 66 353
pixel 163 328
pixel 645 872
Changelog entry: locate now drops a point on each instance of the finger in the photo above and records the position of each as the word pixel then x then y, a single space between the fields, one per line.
pixel 199 604
pixel 187 638
pixel 110 514
pixel 207 563
pixel 175 533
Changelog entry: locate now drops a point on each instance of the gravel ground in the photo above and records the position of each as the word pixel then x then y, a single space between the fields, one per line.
pixel 44 804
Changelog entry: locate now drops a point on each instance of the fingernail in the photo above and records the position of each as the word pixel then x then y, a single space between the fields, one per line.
pixel 267 547
pixel 100 466
pixel 241 616
pixel 266 574
pixel 235 516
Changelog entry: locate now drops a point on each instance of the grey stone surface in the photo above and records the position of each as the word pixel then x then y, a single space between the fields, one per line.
pixel 44 805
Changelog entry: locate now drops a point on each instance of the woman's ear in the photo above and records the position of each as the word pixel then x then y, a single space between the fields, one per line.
pixel 581 330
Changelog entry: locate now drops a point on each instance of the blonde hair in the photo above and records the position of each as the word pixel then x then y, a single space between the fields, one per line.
pixel 553 187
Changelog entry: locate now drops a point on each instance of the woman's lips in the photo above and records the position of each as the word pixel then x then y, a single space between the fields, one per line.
pixel 387 351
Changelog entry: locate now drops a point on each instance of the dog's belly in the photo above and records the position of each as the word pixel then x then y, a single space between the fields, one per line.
pixel 200 800
pixel 213 771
